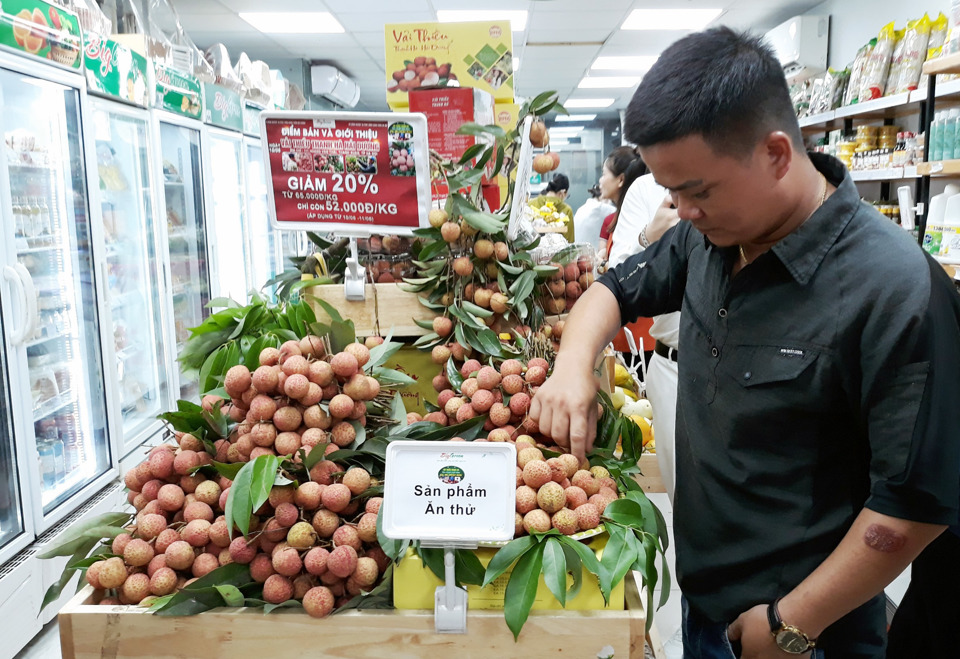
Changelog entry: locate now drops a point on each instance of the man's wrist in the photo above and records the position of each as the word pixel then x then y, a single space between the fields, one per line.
pixel 793 612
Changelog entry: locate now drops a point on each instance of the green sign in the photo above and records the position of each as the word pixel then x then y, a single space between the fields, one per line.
pixel 114 70
pixel 177 92
pixel 222 107
pixel 251 119
pixel 42 30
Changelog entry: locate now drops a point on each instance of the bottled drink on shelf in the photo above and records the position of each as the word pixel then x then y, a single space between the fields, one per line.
pixel 18 218
pixel 46 226
pixel 48 465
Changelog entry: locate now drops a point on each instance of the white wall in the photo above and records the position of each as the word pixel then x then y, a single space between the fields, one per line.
pixel 854 22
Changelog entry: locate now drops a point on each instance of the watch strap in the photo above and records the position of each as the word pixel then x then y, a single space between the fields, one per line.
pixel 773 617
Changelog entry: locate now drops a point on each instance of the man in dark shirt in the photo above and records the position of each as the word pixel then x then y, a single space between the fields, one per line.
pixel 815 454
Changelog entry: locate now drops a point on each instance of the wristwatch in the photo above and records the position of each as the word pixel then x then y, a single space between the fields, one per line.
pixel 789 639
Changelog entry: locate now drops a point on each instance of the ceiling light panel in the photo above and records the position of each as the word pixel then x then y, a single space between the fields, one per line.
pixel 670 19
pixel 624 62
pixel 609 82
pixel 517 18
pixel 279 22
pixel 576 117
pixel 588 102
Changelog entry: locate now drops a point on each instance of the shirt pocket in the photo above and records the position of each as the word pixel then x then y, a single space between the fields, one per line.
pixel 766 366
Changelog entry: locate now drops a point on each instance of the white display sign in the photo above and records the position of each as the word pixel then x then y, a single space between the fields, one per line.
pixel 450 492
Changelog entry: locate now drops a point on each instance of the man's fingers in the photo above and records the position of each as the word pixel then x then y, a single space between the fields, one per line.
pixel 535 408
pixel 559 429
pixel 579 435
pixel 591 427
pixel 546 417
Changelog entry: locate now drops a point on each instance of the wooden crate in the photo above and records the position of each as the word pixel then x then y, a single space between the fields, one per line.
pixel 88 631
pixel 387 303
pixel 649 477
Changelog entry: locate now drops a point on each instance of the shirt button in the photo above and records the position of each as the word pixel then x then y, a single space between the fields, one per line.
pixel 747 375
pixel 715 352
pixel 722 313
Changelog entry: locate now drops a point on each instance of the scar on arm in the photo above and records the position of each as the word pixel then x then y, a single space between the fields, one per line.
pixel 883 539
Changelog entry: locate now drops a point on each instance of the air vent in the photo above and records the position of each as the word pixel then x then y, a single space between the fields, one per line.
pixel 110 490
pixel 17 561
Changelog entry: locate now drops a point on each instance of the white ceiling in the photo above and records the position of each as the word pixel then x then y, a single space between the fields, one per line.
pixel 560 42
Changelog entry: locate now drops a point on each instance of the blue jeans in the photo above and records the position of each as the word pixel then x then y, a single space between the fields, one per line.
pixel 703 639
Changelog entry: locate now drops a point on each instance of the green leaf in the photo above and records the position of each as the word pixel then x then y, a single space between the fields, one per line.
pixel 87 562
pixel 625 512
pixel 498 164
pixel 249 491
pixel 228 471
pixel 84 547
pixel 426 338
pixel 471 152
pixel 202 594
pixel 394 549
pixel 389 377
pixel 465 318
pixel 469 569
pixel 524 285
pixel 342 334
pixel 429 233
pixel 509 269
pixel 521 589
pixel 221 302
pixel 618 556
pixel 361 433
pixel 574 567
pixel 79 534
pixel 381 353
pixel 430 305
pixel 586 554
pixel 423 323
pixel 476 310
pixel 398 411
pixel 289 604
pixel 490 342
pixel 453 374
pixel 231 595
pixel 330 310
pixel 483 221
pixel 432 559
pixel 506 556
pixel 541 101
pixel 555 569
pixel 478 130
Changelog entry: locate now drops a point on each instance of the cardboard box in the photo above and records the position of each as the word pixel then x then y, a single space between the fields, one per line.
pixel 414 585
pixel 477 54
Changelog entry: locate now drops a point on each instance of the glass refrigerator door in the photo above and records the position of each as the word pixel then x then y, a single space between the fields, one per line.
pixel 229 224
pixel 11 517
pixel 264 254
pixel 186 234
pixel 52 237
pixel 132 268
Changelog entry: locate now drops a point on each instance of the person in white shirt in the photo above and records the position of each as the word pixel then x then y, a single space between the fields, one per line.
pixel 646 213
pixel 589 218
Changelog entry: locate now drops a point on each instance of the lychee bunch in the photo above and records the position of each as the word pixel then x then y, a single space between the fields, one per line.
pixel 561 291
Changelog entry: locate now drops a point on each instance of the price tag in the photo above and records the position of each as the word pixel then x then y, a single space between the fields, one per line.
pixel 450 492
pixel 351 173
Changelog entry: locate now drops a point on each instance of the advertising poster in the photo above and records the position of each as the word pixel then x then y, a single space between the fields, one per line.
pixel 476 54
pixel 352 173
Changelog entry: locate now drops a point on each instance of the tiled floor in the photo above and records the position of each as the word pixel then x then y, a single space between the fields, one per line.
pixel 45 645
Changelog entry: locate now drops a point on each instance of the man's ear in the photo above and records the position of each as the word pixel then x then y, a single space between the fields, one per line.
pixel 778 152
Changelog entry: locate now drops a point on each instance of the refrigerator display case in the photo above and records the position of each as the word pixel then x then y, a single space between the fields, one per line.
pixel 57 369
pixel 228 230
pixel 181 182
pixel 265 259
pixel 133 269
pixel 12 521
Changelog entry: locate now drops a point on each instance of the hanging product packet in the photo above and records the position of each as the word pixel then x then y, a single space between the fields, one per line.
pixel 874 79
pixel 913 51
pixel 952 44
pixel 938 36
pixel 895 62
pixel 857 72
pixel 818 100
pixel 841 79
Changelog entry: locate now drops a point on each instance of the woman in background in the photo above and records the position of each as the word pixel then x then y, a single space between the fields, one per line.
pixel 555 194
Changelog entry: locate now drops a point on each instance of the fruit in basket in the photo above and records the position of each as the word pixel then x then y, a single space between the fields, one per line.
pixel 318 602
pixel 450 232
pixel 443 326
pixel 437 217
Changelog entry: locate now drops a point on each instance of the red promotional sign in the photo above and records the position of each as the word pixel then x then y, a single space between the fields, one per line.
pixel 351 173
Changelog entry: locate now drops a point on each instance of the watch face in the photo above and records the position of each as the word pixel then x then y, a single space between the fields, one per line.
pixel 790 641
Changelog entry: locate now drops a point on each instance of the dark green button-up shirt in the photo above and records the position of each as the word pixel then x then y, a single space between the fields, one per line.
pixel 822 378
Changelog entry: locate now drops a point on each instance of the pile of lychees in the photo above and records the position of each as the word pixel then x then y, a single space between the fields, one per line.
pixel 314 541
pixel 503 394
pixel 565 287
pixel 558 493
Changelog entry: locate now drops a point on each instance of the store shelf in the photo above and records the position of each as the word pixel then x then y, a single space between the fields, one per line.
pixel 948 260
pixel 891 174
pixel 181 233
pixel 939 168
pixel 818 120
pixel 45 169
pixel 36 342
pixel 944 89
pixel 54 405
pixel 942 65
pixel 39 250
pixel 879 107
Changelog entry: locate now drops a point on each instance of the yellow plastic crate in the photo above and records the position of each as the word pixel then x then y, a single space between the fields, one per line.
pixel 414 585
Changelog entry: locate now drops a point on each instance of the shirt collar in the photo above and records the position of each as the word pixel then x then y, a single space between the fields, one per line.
pixel 802 251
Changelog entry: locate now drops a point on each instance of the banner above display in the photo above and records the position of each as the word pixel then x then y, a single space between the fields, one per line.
pixel 222 107
pixel 114 70
pixel 353 173
pixel 442 492
pixel 251 119
pixel 177 92
pixel 42 30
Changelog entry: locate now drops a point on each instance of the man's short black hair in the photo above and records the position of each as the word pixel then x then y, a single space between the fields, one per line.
pixel 726 86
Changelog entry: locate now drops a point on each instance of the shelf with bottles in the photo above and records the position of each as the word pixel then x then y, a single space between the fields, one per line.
pixel 33 220
pixel 51 406
pixel 940 168
pixel 888 107
pixel 886 174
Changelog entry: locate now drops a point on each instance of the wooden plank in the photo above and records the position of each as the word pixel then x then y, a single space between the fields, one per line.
pixel 387 304
pixel 126 632
pixel 650 478
pixel 942 65
pixel 939 168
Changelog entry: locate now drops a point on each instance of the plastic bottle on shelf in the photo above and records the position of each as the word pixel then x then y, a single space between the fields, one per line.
pixel 950 133
pixel 48 465
pixel 936 137
pixel 17 212
pixel 46 227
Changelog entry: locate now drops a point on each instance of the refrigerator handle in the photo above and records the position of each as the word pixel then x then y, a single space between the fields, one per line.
pixel 30 293
pixel 18 336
